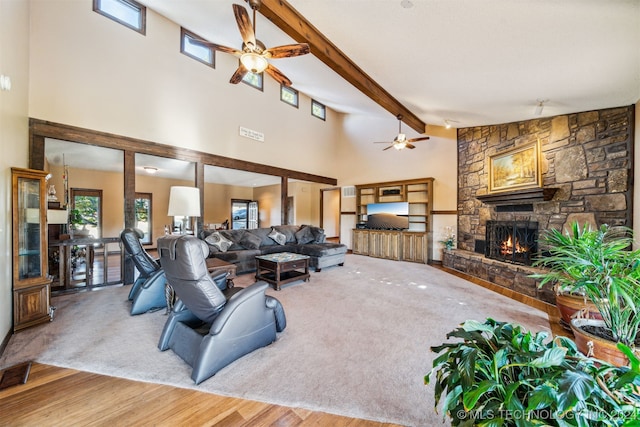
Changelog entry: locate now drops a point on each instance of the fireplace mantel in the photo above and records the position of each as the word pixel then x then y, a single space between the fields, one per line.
pixel 518 197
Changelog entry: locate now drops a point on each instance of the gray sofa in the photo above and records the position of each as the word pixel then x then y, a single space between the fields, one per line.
pixel 240 247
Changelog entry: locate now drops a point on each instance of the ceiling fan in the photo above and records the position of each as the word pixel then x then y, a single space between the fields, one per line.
pixel 254 55
pixel 401 142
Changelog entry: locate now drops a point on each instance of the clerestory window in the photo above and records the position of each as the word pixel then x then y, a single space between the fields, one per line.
pixel 190 47
pixel 255 80
pixel 289 95
pixel 318 110
pixel 126 12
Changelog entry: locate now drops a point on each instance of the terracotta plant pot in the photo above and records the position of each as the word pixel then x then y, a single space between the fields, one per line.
pixel 575 307
pixel 595 346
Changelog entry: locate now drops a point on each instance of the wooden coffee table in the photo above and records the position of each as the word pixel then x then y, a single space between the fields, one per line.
pixel 216 264
pixel 281 268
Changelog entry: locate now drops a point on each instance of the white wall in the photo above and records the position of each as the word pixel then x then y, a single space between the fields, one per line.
pixel 14 134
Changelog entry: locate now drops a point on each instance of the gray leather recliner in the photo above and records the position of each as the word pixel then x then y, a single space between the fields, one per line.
pixel 148 290
pixel 207 330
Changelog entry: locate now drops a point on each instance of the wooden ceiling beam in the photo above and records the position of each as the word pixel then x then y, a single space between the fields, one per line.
pixel 289 20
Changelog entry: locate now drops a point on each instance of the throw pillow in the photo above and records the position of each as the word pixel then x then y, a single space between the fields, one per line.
pixel 278 237
pixel 250 241
pixel 304 235
pixel 318 234
pixel 219 241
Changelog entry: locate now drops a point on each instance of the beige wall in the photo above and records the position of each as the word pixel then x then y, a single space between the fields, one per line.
pixel 306 197
pixel 14 131
pixel 268 198
pixel 88 71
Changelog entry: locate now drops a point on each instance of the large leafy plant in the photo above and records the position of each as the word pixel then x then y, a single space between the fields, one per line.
pixel 599 264
pixel 501 375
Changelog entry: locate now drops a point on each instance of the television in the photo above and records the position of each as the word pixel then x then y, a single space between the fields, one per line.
pixel 388 216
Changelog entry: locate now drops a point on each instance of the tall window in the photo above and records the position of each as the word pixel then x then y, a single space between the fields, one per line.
pixel 190 47
pixel 86 211
pixel 126 12
pixel 143 217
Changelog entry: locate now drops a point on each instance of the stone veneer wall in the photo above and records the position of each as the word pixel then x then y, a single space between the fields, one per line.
pixel 587 157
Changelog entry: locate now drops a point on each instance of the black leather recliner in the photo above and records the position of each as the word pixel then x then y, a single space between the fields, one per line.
pixel 207 330
pixel 148 290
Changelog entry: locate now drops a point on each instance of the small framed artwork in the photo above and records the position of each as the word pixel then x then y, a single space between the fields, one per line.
pixel 518 168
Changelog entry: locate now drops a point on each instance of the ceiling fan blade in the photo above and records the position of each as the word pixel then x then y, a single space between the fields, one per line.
pixel 244 25
pixel 220 48
pixel 287 51
pixel 239 74
pixel 409 146
pixel 387 147
pixel 277 75
pixel 382 142
pixel 422 138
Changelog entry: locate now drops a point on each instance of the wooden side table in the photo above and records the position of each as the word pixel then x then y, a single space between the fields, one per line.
pixel 216 264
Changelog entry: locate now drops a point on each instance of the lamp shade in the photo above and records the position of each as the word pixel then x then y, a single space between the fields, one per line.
pixel 57 216
pixel 184 201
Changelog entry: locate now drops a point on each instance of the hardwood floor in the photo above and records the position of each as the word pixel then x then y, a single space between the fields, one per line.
pixel 59 396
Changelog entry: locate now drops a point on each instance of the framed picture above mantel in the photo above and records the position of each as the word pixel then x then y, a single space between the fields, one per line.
pixel 517 168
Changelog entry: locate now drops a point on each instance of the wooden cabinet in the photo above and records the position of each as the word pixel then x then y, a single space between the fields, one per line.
pixel 31 285
pixel 392 244
pixel 410 245
pixel 360 242
pixel 417 192
pixel 384 244
pixel 415 247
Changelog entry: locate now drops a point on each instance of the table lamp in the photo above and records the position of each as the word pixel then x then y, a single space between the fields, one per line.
pixel 184 202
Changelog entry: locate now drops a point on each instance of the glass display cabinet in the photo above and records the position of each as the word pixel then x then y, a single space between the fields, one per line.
pixel 31 284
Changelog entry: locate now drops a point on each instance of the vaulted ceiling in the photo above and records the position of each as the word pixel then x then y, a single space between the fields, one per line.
pixel 469 62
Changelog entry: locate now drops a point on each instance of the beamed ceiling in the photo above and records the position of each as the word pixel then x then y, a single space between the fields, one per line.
pixel 471 62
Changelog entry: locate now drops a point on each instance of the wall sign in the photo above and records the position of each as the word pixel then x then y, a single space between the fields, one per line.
pixel 251 134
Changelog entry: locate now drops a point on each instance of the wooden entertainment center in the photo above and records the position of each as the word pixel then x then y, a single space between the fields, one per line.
pixel 411 244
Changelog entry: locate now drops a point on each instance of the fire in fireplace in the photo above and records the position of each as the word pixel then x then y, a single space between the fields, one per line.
pixel 512 241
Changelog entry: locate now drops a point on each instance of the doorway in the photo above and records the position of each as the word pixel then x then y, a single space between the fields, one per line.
pixel 330 212
pixel 244 214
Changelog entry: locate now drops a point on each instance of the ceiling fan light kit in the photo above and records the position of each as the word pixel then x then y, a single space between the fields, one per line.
pixel 400 142
pixel 254 62
pixel 254 56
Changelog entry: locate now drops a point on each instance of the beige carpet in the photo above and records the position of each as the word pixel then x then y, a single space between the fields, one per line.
pixel 357 341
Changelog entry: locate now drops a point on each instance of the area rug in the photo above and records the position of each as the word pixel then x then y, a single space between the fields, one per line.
pixel 356 344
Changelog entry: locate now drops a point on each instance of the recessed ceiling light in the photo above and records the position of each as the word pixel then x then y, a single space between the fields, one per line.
pixel 150 169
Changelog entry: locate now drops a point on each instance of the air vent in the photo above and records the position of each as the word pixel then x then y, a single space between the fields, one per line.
pixel 349 191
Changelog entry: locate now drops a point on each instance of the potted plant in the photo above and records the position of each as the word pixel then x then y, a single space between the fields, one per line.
pixel 498 374
pixel 600 265
pixel 77 219
pixel 449 239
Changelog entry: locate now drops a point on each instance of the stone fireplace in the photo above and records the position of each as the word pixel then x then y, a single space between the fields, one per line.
pixel 586 166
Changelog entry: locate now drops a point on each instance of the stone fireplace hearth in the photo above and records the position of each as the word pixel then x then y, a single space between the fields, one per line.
pixel 586 166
